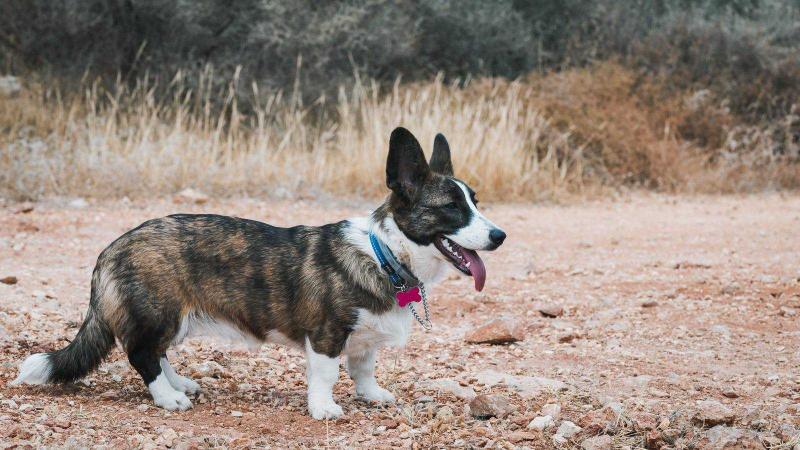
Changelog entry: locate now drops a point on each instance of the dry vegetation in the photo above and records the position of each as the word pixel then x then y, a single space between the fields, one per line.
pixel 542 137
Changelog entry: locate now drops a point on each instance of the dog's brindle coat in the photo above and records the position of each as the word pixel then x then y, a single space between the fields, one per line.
pixel 316 287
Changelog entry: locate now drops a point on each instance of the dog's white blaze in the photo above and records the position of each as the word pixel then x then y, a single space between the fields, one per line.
pixel 371 330
pixel 474 236
pixel 322 372
pixel 165 396
pixel 34 370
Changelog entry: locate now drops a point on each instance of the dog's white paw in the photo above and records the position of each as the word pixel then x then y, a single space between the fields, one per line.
pixel 375 394
pixel 324 409
pixel 185 385
pixel 173 401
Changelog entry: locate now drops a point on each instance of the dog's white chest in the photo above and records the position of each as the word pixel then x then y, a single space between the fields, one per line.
pixel 378 330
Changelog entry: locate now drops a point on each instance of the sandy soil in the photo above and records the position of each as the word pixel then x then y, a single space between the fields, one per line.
pixel 668 303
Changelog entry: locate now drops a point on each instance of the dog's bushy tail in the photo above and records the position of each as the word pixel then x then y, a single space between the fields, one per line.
pixel 81 356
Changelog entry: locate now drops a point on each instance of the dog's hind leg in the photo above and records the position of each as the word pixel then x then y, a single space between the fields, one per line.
pixel 362 370
pixel 180 383
pixel 146 362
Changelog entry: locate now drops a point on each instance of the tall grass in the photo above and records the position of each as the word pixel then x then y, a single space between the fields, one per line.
pixel 544 137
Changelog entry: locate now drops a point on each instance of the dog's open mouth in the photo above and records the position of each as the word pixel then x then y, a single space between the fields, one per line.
pixel 464 259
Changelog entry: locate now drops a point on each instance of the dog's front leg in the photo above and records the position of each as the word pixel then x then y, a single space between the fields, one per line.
pixel 362 370
pixel 322 372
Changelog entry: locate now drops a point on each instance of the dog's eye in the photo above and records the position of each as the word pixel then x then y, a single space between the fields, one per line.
pixel 451 205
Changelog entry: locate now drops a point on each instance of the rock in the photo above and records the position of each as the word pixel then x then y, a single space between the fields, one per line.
pixel 486 406
pixel 730 393
pixel 109 395
pixel 597 443
pixel 190 195
pixel 787 311
pixel 649 304
pixel 11 279
pixel 568 337
pixel 498 331
pixel 525 386
pixel 541 423
pixel 237 413
pixel 552 409
pixel 551 310
pixel 519 436
pixel 711 412
pixel 599 421
pixel 644 421
pixel 559 440
pixel 78 203
pixel 24 208
pixel 722 437
pixel 9 86
pixel 168 437
pixel 568 429
pixel 445 414
pixel 206 369
pixel 446 385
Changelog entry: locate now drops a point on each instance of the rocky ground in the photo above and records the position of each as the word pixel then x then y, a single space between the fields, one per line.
pixel 654 322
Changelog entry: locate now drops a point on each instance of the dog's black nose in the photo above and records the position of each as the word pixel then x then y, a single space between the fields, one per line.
pixel 497 237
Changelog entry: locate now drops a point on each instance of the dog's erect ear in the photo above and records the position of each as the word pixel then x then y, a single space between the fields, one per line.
pixel 406 168
pixel 440 159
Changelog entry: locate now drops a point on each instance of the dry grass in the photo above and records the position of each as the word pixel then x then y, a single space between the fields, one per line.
pixel 542 138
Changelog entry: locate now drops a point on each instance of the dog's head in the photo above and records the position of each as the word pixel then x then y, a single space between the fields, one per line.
pixel 431 206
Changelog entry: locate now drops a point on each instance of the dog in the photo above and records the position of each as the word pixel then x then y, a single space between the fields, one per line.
pixel 342 289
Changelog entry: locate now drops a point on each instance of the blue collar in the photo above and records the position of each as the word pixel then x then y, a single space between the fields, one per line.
pixel 401 278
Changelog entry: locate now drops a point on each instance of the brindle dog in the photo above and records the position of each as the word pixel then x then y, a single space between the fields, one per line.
pixel 319 288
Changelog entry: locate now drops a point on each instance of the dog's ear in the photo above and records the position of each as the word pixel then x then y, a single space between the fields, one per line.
pixel 406 168
pixel 440 159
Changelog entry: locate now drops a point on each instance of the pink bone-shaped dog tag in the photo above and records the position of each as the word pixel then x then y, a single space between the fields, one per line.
pixel 406 297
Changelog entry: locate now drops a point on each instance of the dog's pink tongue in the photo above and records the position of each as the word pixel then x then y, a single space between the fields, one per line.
pixel 476 267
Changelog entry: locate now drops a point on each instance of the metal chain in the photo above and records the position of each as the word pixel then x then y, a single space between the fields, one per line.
pixel 427 325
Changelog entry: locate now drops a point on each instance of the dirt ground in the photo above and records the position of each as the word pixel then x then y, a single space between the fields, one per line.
pixel 679 330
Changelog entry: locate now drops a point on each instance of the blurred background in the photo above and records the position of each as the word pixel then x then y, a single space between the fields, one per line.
pixel 541 99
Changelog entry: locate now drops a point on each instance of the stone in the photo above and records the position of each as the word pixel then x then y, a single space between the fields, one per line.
pixel 448 386
pixel 190 195
pixel 551 310
pixel 206 369
pixel 568 337
pixel 541 423
pixel 497 331
pixel 552 409
pixel 568 429
pixel 599 421
pixel 649 304
pixel 723 437
pixel 11 279
pixel 519 436
pixel 78 203
pixel 730 393
pixel 597 443
pixel 24 208
pixel 711 412
pixel 237 413
pixel 525 386
pixel 486 406
pixel 445 414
